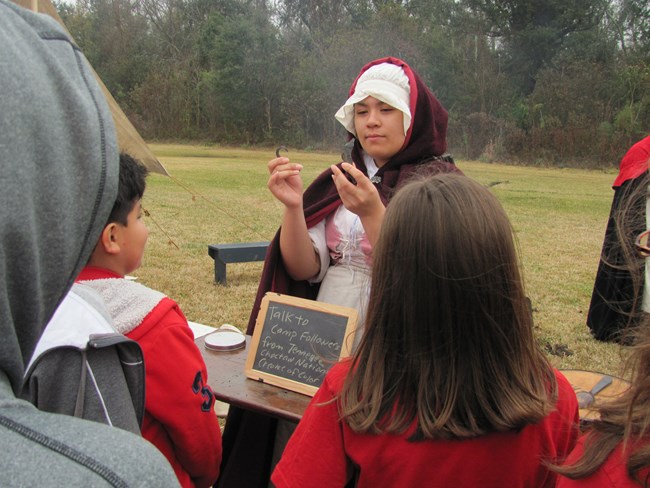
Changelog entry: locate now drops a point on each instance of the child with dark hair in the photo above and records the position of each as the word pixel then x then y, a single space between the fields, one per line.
pixel 179 418
pixel 130 190
pixel 448 386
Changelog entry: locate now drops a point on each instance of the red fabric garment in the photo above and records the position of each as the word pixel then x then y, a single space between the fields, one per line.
pixel 425 139
pixel 318 452
pixel 634 163
pixel 179 416
pixel 612 473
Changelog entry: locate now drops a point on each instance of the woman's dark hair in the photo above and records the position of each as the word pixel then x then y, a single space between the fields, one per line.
pixel 449 333
pixel 131 188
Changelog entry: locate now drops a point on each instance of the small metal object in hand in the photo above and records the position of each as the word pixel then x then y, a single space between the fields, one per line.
pixel 349 177
pixel 278 149
pixel 586 398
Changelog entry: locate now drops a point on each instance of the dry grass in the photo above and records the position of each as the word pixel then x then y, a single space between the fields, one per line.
pixel 219 194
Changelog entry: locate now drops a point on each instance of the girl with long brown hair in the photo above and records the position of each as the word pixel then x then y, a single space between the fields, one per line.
pixel 615 450
pixel 448 386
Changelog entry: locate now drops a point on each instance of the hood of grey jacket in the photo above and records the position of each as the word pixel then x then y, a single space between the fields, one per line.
pixel 58 175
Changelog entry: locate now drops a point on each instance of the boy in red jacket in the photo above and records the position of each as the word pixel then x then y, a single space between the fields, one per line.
pixel 179 418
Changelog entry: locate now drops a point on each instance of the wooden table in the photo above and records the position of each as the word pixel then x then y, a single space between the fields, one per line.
pixel 230 384
pixel 582 380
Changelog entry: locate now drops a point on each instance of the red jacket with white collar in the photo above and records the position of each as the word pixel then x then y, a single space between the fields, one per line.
pixel 179 417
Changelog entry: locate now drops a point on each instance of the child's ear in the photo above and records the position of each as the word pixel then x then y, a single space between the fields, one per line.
pixel 109 240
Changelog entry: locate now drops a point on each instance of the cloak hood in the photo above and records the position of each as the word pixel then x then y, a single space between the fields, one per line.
pixel 58 175
pixel 427 134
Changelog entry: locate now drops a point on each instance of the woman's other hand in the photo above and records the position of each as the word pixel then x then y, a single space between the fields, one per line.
pixel 361 198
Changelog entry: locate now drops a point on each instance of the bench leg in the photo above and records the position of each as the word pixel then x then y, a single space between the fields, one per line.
pixel 219 271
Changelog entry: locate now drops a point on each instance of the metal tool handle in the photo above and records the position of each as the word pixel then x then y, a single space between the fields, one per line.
pixel 603 383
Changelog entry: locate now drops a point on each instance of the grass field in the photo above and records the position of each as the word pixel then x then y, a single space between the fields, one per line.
pixel 218 194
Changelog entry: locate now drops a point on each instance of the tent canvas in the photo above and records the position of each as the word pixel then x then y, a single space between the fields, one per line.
pixel 128 137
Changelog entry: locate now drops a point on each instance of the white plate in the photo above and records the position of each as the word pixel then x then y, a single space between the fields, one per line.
pixel 225 340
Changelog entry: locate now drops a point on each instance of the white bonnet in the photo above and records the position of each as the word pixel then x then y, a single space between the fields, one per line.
pixel 385 82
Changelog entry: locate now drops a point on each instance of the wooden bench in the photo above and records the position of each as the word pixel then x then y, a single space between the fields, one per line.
pixel 239 252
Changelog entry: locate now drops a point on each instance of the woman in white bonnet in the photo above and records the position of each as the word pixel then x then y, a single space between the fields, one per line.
pixel 396 127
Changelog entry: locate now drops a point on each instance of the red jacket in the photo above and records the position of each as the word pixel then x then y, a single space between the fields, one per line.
pixel 323 449
pixel 179 417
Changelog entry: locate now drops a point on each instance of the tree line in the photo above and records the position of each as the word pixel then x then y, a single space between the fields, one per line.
pixel 563 82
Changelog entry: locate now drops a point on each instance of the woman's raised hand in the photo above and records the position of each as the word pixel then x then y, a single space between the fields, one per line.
pixel 285 182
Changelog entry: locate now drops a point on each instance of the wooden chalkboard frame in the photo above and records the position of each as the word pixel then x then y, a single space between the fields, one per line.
pixel 341 313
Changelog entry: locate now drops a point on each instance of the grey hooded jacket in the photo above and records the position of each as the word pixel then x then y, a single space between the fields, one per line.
pixel 58 180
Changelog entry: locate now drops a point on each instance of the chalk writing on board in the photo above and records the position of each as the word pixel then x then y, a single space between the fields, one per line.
pixel 298 340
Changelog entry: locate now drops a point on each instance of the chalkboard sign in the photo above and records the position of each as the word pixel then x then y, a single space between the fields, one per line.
pixel 296 341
